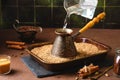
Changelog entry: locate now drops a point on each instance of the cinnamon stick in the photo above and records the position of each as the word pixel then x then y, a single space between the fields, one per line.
pixel 15 47
pixel 15 43
pixel 90 69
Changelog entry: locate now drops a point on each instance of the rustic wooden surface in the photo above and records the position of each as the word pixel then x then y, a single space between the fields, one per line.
pixel 21 72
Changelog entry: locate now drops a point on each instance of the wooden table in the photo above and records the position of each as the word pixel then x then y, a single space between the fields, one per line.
pixel 21 72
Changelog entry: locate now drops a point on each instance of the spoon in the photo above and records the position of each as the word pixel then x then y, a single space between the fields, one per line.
pixel 95 78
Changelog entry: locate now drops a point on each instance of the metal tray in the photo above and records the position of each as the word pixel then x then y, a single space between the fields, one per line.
pixel 73 63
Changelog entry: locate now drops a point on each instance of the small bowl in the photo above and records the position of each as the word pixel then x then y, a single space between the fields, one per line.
pixel 27 33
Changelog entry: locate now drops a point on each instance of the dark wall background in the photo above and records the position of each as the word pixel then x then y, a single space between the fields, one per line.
pixel 50 13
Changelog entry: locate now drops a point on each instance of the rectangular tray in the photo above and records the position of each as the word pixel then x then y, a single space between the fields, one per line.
pixel 73 63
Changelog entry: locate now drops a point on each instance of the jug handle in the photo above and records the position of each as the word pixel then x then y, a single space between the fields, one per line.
pixel 40 29
pixel 16 23
pixel 90 24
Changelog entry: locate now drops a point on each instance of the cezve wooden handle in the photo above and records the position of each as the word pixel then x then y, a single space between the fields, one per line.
pixel 93 22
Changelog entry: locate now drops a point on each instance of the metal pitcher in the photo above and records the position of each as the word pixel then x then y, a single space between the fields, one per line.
pixel 63 45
